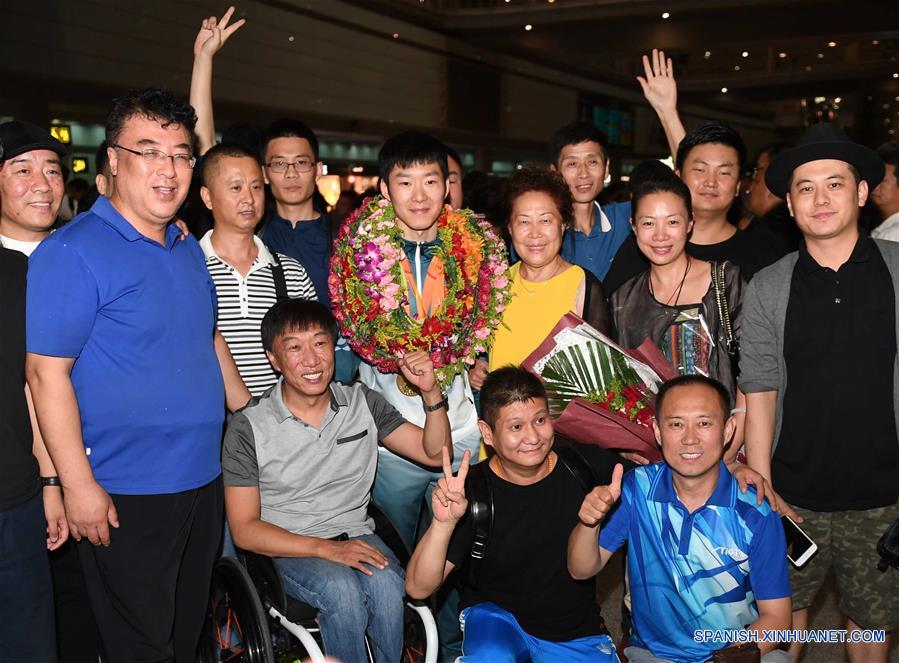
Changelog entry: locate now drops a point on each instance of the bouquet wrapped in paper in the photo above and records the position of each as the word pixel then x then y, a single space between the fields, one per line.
pixel 599 393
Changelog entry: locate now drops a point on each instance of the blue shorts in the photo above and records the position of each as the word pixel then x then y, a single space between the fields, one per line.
pixel 493 635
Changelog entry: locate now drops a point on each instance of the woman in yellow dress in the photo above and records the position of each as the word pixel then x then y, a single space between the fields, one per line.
pixel 544 285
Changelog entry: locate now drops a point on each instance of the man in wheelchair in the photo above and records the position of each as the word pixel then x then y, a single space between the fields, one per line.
pixel 518 601
pixel 299 463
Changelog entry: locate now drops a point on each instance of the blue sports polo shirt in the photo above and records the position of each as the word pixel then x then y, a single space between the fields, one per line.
pixel 694 571
pixel 597 250
pixel 138 318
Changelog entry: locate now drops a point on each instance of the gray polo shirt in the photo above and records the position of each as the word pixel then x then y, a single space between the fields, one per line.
pixel 312 481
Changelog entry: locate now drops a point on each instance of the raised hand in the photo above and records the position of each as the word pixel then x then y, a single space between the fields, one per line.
pixel 601 499
pixel 418 371
pixel 215 32
pixel 356 553
pixel 478 374
pixel 448 501
pixel 659 86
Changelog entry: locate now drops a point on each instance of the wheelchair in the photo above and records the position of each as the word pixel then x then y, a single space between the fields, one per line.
pixel 250 619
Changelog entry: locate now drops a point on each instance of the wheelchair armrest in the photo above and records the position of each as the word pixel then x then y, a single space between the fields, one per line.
pixel 266 579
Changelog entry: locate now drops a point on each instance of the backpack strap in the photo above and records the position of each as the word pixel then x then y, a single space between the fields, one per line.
pixel 280 280
pixel 479 492
pixel 576 464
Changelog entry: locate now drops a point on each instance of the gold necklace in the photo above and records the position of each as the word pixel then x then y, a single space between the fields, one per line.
pixel 550 463
pixel 542 284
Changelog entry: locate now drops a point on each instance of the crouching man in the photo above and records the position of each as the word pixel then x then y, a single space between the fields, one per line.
pixel 703 556
pixel 518 601
pixel 299 463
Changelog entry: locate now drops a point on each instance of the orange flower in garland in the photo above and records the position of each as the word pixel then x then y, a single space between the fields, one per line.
pixel 370 303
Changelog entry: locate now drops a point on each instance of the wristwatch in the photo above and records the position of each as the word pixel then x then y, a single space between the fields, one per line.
pixel 443 402
pixel 51 481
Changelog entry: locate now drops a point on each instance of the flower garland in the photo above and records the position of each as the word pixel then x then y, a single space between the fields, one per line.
pixel 370 299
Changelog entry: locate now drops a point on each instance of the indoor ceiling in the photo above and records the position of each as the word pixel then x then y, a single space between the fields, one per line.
pixel 756 56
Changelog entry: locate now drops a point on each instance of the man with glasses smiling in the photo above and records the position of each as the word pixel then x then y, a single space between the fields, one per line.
pixel 130 380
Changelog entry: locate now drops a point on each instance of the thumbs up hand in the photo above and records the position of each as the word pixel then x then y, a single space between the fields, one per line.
pixel 601 499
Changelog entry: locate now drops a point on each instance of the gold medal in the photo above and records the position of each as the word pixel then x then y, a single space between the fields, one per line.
pixel 404 387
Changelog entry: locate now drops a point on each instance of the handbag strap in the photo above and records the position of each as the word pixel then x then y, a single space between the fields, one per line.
pixel 718 282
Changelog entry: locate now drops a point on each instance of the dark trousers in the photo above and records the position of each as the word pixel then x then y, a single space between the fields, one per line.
pixel 149 588
pixel 26 590
pixel 77 637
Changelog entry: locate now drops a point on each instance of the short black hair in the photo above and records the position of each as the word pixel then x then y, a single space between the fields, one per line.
pixel 505 386
pixel 296 315
pixel 889 152
pixel 690 381
pixel 661 181
pixel 454 155
pixel 410 148
pixel 574 133
pixel 542 179
pixel 151 103
pixel 289 128
pixel 216 153
pixel 715 133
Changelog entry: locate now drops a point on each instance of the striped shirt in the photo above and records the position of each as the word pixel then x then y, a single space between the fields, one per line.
pixel 244 301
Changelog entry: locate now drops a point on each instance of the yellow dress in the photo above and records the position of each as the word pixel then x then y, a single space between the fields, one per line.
pixel 533 311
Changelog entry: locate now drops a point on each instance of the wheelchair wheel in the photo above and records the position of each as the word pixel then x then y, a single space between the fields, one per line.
pixel 236 628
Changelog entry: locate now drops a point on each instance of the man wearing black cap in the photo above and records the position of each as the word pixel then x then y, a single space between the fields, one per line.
pixel 827 438
pixel 31 185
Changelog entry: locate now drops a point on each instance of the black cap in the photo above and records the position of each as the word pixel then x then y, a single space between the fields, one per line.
pixel 823 141
pixel 18 137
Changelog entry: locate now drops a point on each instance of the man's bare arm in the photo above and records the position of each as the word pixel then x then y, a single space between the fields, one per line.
pixel 212 36
pixel 242 504
pixel 89 508
pixel 236 393
pixel 660 90
pixel 54 510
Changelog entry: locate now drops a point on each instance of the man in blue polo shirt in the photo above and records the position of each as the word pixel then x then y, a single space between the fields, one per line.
pixel 580 152
pixel 129 378
pixel 702 556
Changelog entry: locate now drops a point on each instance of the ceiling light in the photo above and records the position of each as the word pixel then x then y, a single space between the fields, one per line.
pixel 820 56
pixel 290 38
pixel 529 27
pixel 896 74
pixel 782 54
pixel 832 44
pixel 396 35
pixel 665 15
pixel 875 42
pixel 745 54
pixel 838 100
pixel 736 67
pixel 707 55
pixel 820 100
pixel 808 67
pixel 724 90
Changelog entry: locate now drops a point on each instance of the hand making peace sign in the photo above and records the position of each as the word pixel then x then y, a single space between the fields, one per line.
pixel 449 502
pixel 215 32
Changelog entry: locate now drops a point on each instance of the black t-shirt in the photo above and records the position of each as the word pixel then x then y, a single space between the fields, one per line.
pixel 751 252
pixel 18 467
pixel 837 448
pixel 525 568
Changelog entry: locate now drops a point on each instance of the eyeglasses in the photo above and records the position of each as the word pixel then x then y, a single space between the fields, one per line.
pixel 158 157
pixel 281 166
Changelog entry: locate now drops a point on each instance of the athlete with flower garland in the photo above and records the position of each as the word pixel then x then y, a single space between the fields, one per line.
pixel 409 274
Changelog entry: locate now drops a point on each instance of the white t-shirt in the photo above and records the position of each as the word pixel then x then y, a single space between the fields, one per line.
pixel 18 245
pixel 889 229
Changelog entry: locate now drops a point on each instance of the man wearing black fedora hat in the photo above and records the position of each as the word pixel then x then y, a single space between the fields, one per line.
pixel 31 184
pixel 827 438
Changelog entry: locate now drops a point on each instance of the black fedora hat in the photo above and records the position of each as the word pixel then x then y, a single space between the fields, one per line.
pixel 823 141
pixel 19 136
